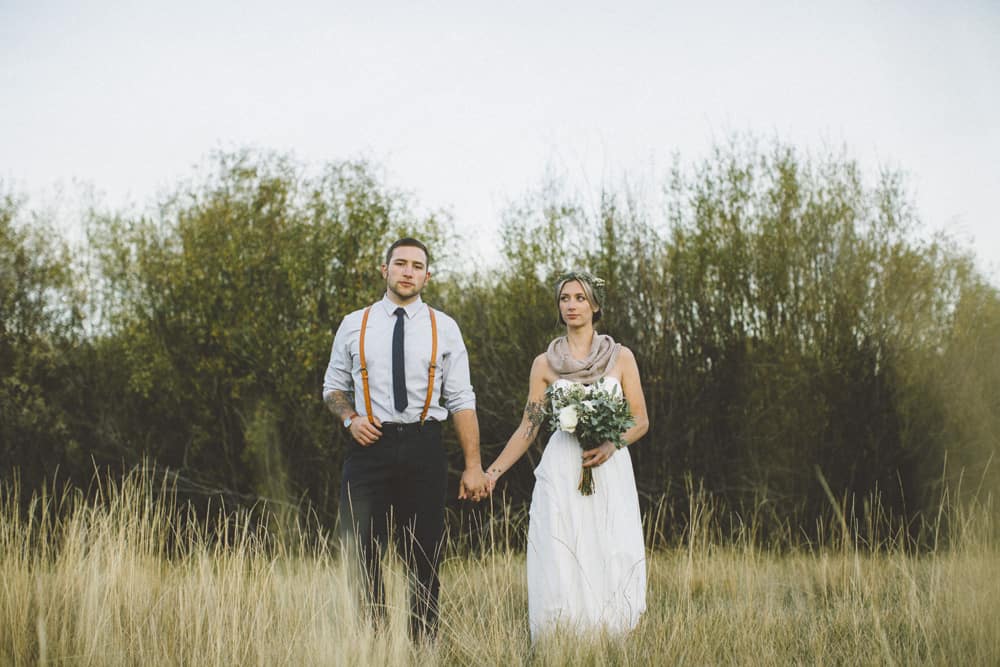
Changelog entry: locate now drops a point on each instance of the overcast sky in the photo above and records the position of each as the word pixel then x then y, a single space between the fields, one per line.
pixel 468 104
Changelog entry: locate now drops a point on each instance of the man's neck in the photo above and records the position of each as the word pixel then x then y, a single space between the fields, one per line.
pixel 394 298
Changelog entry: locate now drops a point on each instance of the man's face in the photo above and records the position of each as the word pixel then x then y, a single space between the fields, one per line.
pixel 406 273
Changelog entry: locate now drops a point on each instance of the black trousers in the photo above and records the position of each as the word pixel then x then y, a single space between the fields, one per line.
pixel 397 487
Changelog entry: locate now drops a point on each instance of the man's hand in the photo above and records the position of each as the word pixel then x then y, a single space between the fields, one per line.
pixel 474 485
pixel 364 432
pixel 598 455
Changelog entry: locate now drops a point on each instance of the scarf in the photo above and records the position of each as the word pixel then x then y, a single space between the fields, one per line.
pixel 602 357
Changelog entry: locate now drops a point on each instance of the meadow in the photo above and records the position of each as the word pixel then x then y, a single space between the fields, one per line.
pixel 126 575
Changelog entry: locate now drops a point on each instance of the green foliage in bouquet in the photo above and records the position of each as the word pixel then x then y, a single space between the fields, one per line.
pixel 593 413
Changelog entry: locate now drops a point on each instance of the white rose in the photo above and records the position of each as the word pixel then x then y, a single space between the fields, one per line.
pixel 568 418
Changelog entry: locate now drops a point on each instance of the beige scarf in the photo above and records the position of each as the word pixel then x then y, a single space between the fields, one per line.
pixel 603 355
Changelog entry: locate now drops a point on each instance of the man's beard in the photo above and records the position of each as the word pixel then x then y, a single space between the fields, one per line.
pixel 413 291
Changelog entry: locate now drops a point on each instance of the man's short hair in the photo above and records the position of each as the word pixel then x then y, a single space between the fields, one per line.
pixel 407 241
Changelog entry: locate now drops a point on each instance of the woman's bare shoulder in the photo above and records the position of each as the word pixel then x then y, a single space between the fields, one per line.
pixel 625 354
pixel 541 369
pixel 625 364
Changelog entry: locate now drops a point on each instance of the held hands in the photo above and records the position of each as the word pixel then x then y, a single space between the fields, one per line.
pixel 474 485
pixel 598 455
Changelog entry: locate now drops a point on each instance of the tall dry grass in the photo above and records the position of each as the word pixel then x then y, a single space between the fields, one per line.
pixel 126 576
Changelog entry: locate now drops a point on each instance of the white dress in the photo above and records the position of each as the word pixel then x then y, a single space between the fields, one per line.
pixel 586 557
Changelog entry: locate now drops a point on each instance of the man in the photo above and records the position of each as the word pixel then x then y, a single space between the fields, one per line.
pixel 386 388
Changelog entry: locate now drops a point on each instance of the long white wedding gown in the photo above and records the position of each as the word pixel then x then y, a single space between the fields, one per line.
pixel 586 558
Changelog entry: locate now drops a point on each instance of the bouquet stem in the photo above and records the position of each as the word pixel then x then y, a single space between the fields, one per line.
pixel 587 482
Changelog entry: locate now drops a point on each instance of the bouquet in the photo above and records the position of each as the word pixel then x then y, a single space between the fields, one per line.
pixel 593 413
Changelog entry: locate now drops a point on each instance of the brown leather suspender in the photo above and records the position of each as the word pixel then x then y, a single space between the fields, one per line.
pixel 433 366
pixel 364 366
pixel 430 373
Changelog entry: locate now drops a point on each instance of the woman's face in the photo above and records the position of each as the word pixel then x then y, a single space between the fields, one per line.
pixel 573 305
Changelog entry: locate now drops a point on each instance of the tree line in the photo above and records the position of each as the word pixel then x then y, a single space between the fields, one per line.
pixel 797 336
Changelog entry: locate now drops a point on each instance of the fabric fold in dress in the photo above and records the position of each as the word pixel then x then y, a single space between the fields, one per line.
pixel 586 559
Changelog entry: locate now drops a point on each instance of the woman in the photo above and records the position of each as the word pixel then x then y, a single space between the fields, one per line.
pixel 586 558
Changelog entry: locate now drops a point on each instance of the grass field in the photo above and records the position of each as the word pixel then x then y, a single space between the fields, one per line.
pixel 123 580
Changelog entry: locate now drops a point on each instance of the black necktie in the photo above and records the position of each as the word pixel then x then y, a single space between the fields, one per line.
pixel 398 363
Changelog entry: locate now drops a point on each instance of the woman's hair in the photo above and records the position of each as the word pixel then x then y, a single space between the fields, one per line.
pixel 593 289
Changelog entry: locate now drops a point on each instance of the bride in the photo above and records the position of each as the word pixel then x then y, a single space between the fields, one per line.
pixel 586 558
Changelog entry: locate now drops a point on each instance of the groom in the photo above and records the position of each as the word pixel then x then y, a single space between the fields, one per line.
pixel 391 366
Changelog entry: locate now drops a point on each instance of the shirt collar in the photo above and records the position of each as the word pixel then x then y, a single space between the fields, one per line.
pixel 412 309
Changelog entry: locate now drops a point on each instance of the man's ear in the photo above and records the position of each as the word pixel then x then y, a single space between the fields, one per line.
pixel 385 271
pixel 427 277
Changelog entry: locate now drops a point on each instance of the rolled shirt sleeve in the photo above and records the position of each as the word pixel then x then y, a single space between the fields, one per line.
pixel 456 382
pixel 338 375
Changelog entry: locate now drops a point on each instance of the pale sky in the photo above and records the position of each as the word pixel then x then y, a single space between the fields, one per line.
pixel 467 105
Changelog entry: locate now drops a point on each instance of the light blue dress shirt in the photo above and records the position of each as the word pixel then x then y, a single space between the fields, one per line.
pixel 452 385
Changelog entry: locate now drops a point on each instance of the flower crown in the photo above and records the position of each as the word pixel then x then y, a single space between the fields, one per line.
pixel 596 284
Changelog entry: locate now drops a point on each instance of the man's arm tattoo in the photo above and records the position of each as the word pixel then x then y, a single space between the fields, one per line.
pixel 340 402
pixel 534 412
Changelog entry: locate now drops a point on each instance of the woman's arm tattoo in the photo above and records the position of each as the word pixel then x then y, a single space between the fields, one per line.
pixel 534 412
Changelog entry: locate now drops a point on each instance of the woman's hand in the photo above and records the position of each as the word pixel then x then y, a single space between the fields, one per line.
pixel 492 475
pixel 598 455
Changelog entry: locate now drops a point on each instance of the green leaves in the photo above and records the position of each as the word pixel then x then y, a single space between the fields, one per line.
pixel 784 313
pixel 40 323
pixel 597 413
pixel 783 310
pixel 592 413
pixel 224 306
